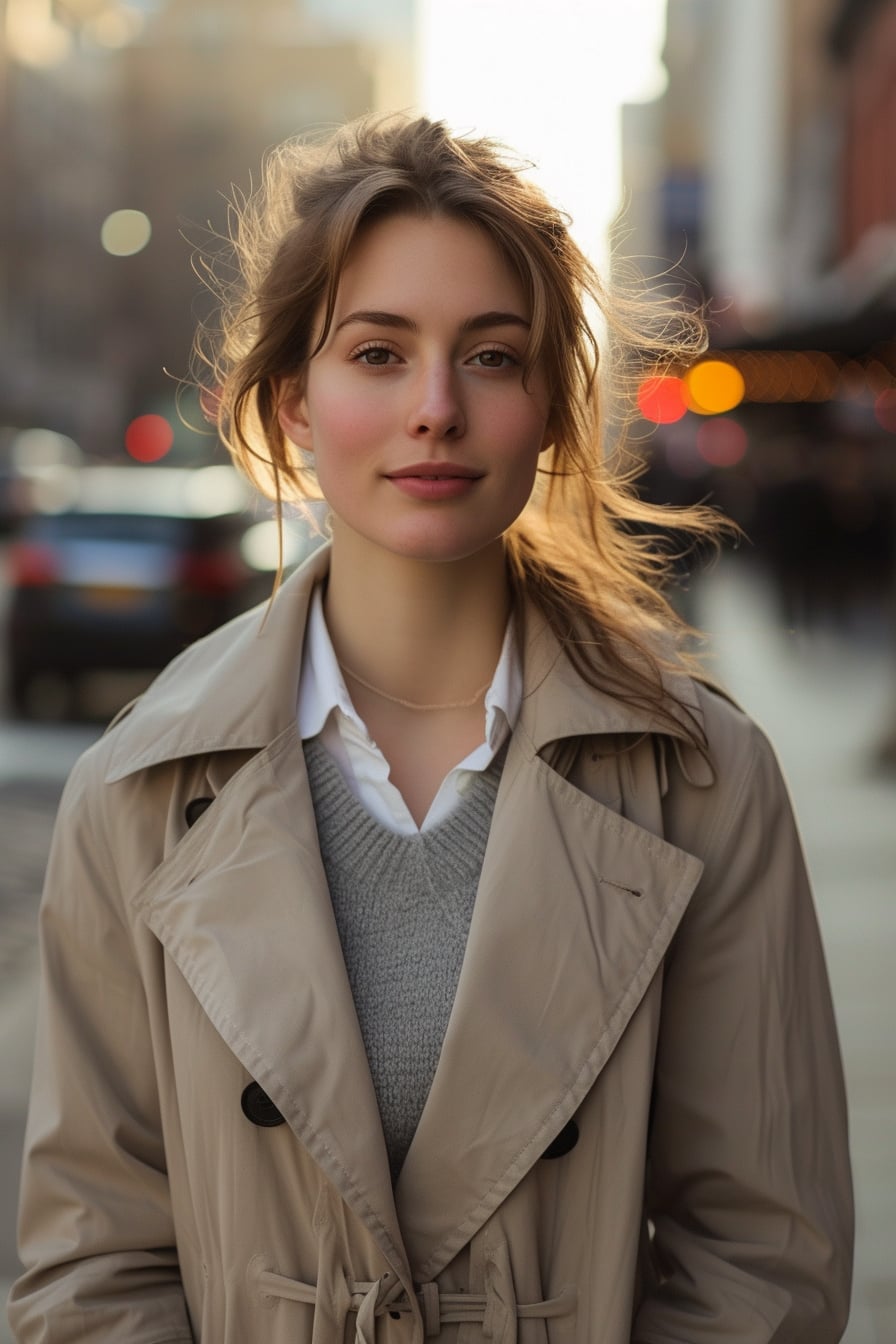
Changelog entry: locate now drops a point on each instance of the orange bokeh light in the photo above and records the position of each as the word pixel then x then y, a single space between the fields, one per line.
pixel 852 382
pixel 148 438
pixel 714 386
pixel 661 399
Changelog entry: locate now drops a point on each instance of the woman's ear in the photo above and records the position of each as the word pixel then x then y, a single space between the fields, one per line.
pixel 292 412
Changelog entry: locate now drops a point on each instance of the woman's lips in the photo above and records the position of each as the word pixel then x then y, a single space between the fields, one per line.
pixel 434 480
pixel 434 487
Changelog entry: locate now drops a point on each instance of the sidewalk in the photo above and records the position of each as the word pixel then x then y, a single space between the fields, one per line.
pixel 17 1013
pixel 34 760
pixel 821 700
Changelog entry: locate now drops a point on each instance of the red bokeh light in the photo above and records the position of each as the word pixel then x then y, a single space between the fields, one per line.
pixel 885 410
pixel 662 399
pixel 721 442
pixel 148 438
pixel 210 403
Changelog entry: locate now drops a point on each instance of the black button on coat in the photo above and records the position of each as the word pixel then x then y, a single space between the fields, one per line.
pixel 565 1141
pixel 195 808
pixel 258 1107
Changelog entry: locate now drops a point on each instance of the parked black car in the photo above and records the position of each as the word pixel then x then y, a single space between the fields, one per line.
pixel 143 562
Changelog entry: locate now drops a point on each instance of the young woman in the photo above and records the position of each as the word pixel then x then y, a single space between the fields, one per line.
pixel 431 954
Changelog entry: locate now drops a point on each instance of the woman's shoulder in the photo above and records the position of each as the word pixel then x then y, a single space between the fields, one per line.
pixel 734 739
pixel 719 744
pixel 730 789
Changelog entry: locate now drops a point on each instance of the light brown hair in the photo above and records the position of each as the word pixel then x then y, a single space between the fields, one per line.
pixel 587 551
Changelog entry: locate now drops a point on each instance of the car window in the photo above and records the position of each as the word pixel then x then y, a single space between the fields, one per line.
pixel 112 527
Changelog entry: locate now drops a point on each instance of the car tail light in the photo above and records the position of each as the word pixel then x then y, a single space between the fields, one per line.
pixel 31 565
pixel 211 572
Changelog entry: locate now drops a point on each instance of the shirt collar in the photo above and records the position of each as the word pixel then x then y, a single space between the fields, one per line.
pixel 322 686
pixel 504 697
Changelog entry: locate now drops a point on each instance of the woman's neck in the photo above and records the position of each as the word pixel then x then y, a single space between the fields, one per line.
pixel 428 632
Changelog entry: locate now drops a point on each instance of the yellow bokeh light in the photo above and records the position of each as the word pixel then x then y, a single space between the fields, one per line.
pixel 32 35
pixel 713 387
pixel 125 232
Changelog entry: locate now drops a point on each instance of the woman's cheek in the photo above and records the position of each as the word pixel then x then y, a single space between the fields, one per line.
pixel 343 425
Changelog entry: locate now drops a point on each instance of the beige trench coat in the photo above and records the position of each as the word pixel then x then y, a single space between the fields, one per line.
pixel 636 1131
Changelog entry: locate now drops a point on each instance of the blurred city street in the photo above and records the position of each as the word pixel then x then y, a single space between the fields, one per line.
pixel 821 697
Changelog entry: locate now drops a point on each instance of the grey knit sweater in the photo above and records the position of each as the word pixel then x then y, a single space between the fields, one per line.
pixel 403 906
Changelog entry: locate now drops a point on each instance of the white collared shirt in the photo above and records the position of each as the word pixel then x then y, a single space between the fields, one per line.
pixel 325 708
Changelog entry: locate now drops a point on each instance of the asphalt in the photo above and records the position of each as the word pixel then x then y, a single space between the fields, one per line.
pixel 822 697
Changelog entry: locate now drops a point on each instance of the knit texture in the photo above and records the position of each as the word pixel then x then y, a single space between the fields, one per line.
pixel 403 906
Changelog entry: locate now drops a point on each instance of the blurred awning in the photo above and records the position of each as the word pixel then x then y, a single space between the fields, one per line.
pixel 850 310
pixel 852 335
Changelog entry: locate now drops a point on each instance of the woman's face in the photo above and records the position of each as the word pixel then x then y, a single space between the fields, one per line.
pixel 425 440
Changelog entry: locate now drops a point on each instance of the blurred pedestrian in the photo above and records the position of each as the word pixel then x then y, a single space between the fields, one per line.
pixel 431 953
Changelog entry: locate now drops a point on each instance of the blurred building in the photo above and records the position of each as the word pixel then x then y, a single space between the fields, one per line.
pixel 766 176
pixel 743 147
pixel 863 41
pixel 158 108
pixel 767 167
pixel 60 153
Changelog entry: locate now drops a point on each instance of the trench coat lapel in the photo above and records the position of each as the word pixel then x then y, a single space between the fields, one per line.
pixel 244 910
pixel 575 909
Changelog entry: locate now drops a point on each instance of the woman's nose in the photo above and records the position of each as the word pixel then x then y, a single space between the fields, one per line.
pixel 437 410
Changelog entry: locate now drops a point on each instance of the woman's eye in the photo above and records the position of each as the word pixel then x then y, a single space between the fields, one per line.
pixel 374 356
pixel 494 359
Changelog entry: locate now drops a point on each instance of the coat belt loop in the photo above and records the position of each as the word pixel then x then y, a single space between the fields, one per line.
pixel 432 1311
pixel 365 1326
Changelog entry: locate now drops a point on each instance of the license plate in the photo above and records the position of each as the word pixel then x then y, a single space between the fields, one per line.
pixel 112 597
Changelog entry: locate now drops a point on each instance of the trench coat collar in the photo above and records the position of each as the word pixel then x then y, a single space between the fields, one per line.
pixel 234 690
pixel 237 689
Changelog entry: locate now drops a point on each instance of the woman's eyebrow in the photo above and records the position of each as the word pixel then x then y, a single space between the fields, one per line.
pixel 494 319
pixel 375 317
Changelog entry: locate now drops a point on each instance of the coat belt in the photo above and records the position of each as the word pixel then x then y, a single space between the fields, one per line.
pixel 438 1308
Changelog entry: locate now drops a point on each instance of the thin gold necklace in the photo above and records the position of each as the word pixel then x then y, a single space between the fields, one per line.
pixel 413 704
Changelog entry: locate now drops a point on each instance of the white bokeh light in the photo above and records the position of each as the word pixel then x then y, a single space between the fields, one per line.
pixel 549 80
pixel 125 232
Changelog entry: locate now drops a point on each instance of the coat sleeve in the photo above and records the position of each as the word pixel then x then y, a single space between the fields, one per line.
pixel 95 1226
pixel 749 1193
